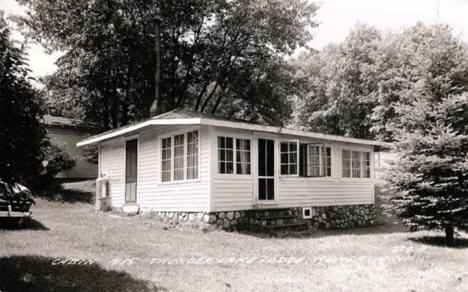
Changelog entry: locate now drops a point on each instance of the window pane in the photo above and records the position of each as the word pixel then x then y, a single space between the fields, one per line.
pixel 225 155
pixel 179 157
pixel 270 189
pixel 229 167
pixel 229 155
pixel 289 158
pixel 346 163
pixel 356 164
pixel 315 163
pixel 270 157
pixel 166 159
pixel 229 142
pixel 366 168
pixel 192 155
pixel 243 156
pixel 262 189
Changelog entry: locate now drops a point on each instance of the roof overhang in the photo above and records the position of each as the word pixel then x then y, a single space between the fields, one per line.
pixel 227 124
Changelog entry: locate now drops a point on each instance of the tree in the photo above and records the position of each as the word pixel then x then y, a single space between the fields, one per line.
pixel 214 53
pixel 22 137
pixel 341 86
pixel 351 87
pixel 432 172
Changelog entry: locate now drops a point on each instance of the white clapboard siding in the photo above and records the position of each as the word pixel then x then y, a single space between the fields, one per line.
pixel 237 192
pixel 171 196
pixel 112 166
pixel 151 193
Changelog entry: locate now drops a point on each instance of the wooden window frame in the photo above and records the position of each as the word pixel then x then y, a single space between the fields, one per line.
pixel 171 136
pixel 323 164
pixel 234 157
pixel 281 163
pixel 363 168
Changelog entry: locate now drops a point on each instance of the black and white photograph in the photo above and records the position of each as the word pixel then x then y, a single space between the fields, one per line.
pixel 233 145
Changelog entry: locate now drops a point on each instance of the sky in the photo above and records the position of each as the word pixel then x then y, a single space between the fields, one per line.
pixel 335 17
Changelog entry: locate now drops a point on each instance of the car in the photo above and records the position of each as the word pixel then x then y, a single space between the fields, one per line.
pixel 15 203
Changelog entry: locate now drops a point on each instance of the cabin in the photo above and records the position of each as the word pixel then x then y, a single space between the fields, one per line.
pixel 65 133
pixel 231 173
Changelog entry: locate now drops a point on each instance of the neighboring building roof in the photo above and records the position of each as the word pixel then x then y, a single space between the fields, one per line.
pixel 63 122
pixel 183 117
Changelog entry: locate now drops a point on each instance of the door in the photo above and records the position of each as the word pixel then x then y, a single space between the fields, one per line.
pixel 131 170
pixel 266 169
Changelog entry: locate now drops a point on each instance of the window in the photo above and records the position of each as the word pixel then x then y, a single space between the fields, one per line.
pixel 174 153
pixel 356 164
pixel 328 161
pixel 243 156
pixel 289 158
pixel 179 157
pixel 346 163
pixel 192 155
pixel 225 155
pixel 314 160
pixel 226 151
pixel 366 173
pixel 166 160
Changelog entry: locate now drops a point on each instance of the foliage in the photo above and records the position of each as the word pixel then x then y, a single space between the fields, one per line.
pixel 22 137
pixel 432 172
pixel 56 160
pixel 218 56
pixel 351 87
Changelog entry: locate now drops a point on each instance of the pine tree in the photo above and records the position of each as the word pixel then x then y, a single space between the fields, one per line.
pixel 432 172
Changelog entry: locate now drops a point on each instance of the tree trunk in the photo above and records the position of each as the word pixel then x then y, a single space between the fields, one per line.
pixel 449 235
pixel 157 106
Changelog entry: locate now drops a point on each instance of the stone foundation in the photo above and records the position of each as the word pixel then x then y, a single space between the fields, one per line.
pixel 329 217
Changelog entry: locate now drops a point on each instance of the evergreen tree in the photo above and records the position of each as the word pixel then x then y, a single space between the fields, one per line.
pixel 432 172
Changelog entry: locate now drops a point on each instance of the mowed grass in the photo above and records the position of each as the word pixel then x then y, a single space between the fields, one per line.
pixel 383 258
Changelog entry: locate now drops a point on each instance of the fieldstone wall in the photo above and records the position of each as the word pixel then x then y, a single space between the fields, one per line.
pixel 231 220
pixel 340 217
pixel 329 217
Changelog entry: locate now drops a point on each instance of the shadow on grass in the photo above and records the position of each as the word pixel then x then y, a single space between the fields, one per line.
pixel 440 241
pixel 27 224
pixel 77 193
pixel 369 230
pixel 36 273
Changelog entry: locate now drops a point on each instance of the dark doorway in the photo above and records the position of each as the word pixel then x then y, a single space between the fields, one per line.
pixel 131 170
pixel 266 169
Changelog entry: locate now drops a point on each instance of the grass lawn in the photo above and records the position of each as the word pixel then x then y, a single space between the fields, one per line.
pixel 383 258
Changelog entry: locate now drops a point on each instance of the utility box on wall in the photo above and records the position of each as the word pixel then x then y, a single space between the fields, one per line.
pixel 103 200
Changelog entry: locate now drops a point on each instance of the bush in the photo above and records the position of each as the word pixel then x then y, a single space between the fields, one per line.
pixel 55 160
